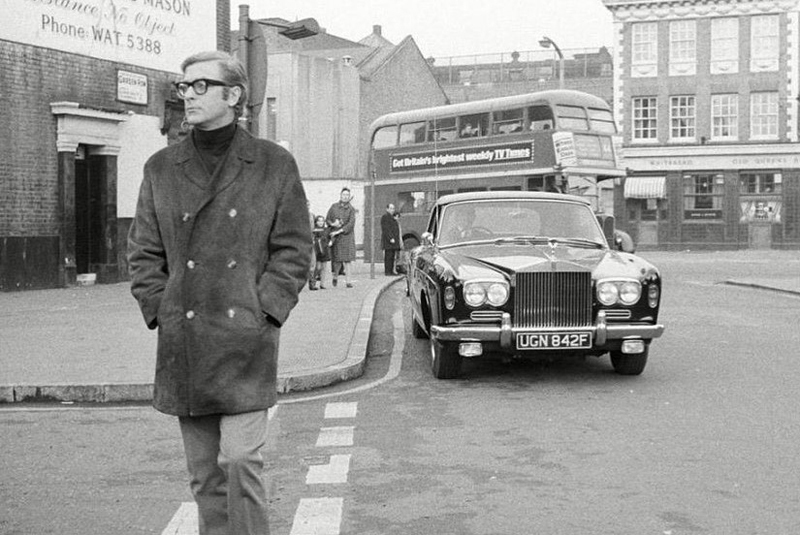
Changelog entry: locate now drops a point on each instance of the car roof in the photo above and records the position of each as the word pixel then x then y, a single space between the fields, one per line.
pixel 509 195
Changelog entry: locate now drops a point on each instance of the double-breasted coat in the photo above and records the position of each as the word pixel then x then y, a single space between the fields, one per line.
pixel 390 232
pixel 344 244
pixel 217 264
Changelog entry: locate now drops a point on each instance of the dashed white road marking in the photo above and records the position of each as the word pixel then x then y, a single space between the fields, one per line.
pixel 335 436
pixel 333 472
pixel 318 516
pixel 341 410
pixel 184 521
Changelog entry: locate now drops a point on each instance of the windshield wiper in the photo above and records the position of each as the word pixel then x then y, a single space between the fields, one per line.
pixel 578 241
pixel 522 239
pixel 533 240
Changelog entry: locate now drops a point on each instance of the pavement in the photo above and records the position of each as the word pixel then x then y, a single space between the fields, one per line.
pixel 90 344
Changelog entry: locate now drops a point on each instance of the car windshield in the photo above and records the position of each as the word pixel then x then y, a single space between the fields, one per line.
pixel 528 220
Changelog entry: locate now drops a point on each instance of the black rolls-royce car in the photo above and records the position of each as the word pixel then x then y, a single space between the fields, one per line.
pixel 529 274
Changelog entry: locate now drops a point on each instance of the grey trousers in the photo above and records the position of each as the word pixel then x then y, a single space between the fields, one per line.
pixel 223 454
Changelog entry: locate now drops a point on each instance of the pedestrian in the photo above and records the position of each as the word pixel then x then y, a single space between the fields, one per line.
pixel 342 220
pixel 390 239
pixel 322 243
pixel 218 251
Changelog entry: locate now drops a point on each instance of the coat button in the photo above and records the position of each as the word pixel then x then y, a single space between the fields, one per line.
pixel 186 216
pixel 231 264
pixel 233 212
pixel 231 313
pixel 190 264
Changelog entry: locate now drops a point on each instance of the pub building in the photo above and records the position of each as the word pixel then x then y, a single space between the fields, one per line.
pixel 706 96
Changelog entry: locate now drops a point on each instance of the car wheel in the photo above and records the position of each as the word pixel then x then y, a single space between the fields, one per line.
pixel 445 360
pixel 629 364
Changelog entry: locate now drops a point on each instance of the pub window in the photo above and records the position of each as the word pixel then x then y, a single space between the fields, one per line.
pixel 475 125
pixel 682 118
pixel 644 118
pixel 411 133
pixel 385 137
pixel 540 117
pixel 703 192
pixel 764 115
pixel 572 117
pixel 760 183
pixel 507 121
pixel 724 117
pixel 443 129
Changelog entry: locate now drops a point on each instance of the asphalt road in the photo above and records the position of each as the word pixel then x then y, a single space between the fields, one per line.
pixel 705 441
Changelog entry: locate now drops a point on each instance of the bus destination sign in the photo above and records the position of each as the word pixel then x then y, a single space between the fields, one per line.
pixel 460 157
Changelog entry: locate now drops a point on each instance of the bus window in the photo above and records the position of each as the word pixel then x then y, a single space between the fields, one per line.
pixel 602 121
pixel 442 129
pixel 540 117
pixel 385 137
pixel 507 121
pixel 572 117
pixel 415 202
pixel 411 133
pixel 474 125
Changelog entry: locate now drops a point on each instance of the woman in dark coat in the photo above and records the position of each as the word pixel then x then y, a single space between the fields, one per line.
pixel 342 220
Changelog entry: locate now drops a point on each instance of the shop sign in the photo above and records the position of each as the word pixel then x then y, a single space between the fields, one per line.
pixel 702 214
pixel 131 87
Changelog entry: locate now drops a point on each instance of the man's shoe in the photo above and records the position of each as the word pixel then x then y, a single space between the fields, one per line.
pixel 335 282
pixel 349 285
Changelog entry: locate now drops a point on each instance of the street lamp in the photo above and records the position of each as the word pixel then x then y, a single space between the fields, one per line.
pixel 545 42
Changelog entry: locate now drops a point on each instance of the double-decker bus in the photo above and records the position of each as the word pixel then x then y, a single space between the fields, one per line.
pixel 558 140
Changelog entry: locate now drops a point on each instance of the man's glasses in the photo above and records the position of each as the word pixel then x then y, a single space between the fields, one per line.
pixel 199 86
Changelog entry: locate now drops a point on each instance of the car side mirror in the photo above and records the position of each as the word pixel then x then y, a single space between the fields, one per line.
pixel 427 239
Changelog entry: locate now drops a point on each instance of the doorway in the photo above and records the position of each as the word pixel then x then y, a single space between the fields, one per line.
pixel 90 180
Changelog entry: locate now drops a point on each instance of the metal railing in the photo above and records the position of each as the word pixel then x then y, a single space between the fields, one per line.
pixel 531 65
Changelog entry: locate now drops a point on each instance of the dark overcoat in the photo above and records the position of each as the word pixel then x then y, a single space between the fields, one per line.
pixel 216 265
pixel 390 232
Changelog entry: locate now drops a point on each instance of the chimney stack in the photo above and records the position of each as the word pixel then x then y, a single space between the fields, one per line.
pixel 376 29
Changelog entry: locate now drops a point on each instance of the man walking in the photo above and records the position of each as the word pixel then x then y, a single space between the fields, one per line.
pixel 218 252
pixel 390 239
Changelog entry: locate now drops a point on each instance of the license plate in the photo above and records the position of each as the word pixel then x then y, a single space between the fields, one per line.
pixel 571 340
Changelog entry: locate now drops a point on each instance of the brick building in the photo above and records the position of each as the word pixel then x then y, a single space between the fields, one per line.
pixel 84 104
pixel 706 93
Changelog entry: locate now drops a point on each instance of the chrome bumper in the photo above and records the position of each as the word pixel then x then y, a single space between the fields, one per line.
pixel 505 334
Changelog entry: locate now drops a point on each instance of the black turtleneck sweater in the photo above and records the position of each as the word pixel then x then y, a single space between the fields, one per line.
pixel 213 145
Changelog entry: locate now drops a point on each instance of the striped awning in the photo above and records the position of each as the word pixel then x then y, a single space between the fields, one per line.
pixel 645 187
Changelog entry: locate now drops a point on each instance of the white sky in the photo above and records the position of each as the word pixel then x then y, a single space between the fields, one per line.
pixel 452 27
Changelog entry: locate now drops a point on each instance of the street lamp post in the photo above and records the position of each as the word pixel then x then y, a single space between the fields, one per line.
pixel 545 42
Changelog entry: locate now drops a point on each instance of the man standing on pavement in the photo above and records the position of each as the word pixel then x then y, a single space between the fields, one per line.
pixel 390 239
pixel 218 251
pixel 342 220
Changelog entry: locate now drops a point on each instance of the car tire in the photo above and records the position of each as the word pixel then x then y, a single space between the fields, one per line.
pixel 629 364
pixel 445 360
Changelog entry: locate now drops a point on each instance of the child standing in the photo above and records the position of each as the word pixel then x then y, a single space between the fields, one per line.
pixel 322 240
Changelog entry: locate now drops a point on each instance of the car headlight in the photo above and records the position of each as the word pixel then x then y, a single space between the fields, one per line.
pixel 497 294
pixel 607 293
pixel 477 293
pixel 611 292
pixel 474 294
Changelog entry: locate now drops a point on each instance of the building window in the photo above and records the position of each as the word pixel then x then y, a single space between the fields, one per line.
pixel 703 195
pixel 682 47
pixel 764 115
pixel 644 49
pixel 760 183
pixel 724 46
pixel 644 119
pixel 764 43
pixel 681 118
pixel 724 117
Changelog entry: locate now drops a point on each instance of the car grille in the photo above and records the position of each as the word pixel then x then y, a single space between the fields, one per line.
pixel 552 300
